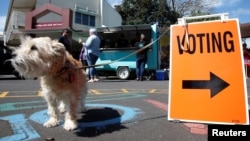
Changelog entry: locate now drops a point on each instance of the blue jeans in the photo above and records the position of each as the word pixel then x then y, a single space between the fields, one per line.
pixel 140 66
pixel 91 59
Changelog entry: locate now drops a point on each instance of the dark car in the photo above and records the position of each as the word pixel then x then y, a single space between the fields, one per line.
pixel 5 66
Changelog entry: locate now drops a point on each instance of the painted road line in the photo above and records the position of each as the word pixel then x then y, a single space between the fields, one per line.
pixel 107 93
pixel 3 94
pixel 124 90
pixel 95 91
pixel 152 91
pixel 18 94
pixel 129 113
pixel 21 128
pixel 158 104
pixel 39 93
pixel 120 97
pixel 24 94
pixel 22 105
pixel 193 127
pixel 42 104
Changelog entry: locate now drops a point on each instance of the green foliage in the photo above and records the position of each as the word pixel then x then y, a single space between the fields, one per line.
pixel 163 12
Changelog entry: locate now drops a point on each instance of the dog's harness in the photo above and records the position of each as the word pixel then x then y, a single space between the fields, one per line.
pixel 70 76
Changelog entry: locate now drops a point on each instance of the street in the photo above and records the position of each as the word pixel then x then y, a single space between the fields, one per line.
pixel 120 110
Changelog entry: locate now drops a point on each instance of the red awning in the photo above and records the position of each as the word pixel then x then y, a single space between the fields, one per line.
pixel 245 30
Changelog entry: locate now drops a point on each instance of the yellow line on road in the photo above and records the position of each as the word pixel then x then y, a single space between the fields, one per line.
pixel 152 91
pixel 39 93
pixel 3 94
pixel 124 90
pixel 22 96
pixel 95 92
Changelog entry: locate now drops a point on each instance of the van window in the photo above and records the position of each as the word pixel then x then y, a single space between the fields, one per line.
pixel 121 40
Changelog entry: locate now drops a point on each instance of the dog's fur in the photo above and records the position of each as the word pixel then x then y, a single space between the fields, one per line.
pixel 62 83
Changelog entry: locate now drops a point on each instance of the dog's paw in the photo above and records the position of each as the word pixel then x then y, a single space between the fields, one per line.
pixel 70 125
pixel 52 122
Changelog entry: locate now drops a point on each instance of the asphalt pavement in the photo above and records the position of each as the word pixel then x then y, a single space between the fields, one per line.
pixel 119 110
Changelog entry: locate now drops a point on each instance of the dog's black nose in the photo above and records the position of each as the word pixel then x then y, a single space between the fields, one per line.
pixel 13 55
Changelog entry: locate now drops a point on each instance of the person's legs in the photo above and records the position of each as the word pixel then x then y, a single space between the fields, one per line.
pixel 91 59
pixel 89 64
pixel 142 68
pixel 94 69
pixel 86 69
pixel 138 64
pixel 84 63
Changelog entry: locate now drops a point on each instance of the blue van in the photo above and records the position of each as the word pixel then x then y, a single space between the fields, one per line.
pixel 117 55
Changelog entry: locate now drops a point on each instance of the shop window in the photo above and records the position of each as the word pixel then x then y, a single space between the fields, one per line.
pixel 78 18
pixel 92 20
pixel 84 19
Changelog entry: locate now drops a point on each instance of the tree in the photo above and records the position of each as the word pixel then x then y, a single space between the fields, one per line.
pixel 164 12
pixel 193 7
pixel 145 12
pixel 135 12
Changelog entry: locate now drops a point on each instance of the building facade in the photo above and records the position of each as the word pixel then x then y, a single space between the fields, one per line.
pixel 245 33
pixel 49 17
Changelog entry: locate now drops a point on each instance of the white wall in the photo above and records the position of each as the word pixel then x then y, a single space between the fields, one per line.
pixel 110 16
pixel 247 40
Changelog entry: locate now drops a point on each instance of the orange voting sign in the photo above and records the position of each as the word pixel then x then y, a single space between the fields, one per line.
pixel 207 80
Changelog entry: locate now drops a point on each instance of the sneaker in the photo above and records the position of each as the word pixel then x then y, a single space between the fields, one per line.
pixel 96 80
pixel 91 80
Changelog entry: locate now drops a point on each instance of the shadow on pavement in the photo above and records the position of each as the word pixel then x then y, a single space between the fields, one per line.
pixel 99 121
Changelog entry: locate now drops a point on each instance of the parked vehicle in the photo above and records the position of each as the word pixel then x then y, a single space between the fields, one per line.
pixel 120 60
pixel 5 66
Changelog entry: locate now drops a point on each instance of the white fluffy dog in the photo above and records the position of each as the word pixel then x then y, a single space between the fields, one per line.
pixel 62 82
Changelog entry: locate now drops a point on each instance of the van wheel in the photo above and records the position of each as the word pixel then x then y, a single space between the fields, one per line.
pixel 123 73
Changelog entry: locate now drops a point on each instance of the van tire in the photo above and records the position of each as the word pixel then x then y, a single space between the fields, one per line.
pixel 123 73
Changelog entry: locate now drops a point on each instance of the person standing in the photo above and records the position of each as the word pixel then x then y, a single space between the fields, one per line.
pixel 64 39
pixel 136 39
pixel 141 58
pixel 92 52
pixel 246 56
pixel 82 57
pixel 246 53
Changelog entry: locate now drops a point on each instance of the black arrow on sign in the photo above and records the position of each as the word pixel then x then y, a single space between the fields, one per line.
pixel 215 84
